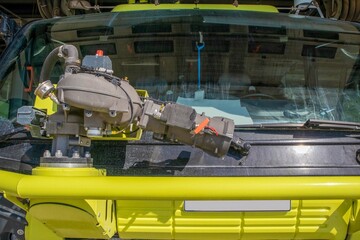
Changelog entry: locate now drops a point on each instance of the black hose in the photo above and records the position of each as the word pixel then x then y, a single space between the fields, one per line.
pixel 49 64
pixel 71 58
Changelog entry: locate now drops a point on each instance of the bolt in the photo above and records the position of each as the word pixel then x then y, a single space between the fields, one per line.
pixel 20 232
pixel 87 155
pixel 76 154
pixel 88 113
pixel 66 107
pixel 58 154
pixel 112 114
pixel 47 153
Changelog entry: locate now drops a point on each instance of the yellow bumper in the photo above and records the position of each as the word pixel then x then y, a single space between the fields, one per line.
pixel 94 205
pixel 178 188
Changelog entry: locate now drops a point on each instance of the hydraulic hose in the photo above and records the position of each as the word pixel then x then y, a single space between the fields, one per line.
pixel 69 52
pixel 49 64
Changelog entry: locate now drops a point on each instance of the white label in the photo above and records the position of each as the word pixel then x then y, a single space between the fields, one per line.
pixel 237 205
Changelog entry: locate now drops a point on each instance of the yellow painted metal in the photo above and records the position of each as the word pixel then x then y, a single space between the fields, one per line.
pixel 93 219
pixel 354 236
pixel 69 218
pixel 354 226
pixel 36 230
pixel 145 7
pixel 307 219
pixel 60 200
pixel 68 172
pixel 101 187
pixel 10 182
pixel 46 105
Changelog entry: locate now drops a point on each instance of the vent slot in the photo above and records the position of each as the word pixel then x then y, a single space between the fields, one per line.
pixel 318 52
pixel 154 47
pixel 101 31
pixel 267 30
pixel 151 28
pixel 219 46
pixel 321 34
pixel 210 28
pixel 266 47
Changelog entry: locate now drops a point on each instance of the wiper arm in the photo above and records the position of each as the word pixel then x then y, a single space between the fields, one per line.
pixel 269 125
pixel 308 124
pixel 241 146
pixel 327 124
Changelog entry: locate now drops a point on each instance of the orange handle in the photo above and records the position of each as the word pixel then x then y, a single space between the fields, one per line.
pixel 201 126
pixel 30 69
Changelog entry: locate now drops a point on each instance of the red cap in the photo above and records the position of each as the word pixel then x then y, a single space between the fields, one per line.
pixel 100 53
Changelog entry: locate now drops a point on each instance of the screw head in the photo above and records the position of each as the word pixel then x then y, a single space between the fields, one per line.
pixel 87 155
pixel 58 154
pixel 76 154
pixel 47 153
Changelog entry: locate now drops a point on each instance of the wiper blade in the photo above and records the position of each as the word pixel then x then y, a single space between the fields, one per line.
pixel 270 125
pixel 327 124
pixel 308 124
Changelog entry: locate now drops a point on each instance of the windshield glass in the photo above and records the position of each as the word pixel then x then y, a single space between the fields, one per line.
pixel 233 64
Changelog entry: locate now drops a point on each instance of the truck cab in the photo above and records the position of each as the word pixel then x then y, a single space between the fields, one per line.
pixel 289 84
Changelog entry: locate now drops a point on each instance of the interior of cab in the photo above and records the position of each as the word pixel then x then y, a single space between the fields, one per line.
pixel 273 73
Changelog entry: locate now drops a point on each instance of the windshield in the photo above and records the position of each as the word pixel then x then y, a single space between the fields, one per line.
pixel 250 67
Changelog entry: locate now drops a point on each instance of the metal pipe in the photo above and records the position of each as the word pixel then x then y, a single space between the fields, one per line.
pixel 71 55
pixel 180 188
pixel 9 182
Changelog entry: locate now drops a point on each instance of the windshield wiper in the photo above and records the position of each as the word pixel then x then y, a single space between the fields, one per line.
pixel 327 124
pixel 308 124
